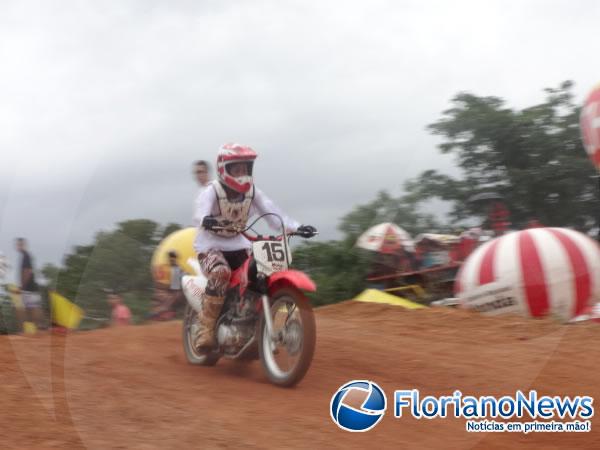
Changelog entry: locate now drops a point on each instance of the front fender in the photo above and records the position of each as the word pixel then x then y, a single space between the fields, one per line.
pixel 293 278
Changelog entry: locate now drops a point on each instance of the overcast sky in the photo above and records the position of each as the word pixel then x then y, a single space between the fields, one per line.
pixel 105 104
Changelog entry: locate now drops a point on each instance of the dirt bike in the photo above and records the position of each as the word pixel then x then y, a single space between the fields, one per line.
pixel 265 314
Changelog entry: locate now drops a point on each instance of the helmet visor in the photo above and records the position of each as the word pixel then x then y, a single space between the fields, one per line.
pixel 238 169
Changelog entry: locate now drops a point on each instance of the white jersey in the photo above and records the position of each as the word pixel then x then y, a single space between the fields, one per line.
pixel 208 205
pixel 201 189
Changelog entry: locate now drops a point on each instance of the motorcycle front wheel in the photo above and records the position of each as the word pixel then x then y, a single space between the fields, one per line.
pixel 287 354
pixel 189 330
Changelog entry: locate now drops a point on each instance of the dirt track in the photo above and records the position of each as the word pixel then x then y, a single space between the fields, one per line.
pixel 132 388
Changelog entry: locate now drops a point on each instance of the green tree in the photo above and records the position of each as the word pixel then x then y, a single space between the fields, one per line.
pixel 533 157
pixel 402 211
pixel 69 277
pixel 144 231
pixel 170 228
pixel 118 259
pixel 51 273
pixel 338 267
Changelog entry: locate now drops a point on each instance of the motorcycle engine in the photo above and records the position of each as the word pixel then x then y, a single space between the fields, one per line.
pixel 237 326
pixel 232 337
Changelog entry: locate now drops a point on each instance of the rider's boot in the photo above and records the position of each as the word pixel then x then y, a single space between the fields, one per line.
pixel 211 307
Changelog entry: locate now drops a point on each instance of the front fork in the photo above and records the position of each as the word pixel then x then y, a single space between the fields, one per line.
pixel 266 307
pixel 268 320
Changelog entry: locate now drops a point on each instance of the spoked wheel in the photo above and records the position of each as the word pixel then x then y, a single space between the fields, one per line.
pixel 191 326
pixel 287 356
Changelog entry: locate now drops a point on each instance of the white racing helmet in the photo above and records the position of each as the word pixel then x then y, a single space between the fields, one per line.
pixel 231 154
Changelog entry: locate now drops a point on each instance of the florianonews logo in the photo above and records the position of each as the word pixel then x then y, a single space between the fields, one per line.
pixel 358 405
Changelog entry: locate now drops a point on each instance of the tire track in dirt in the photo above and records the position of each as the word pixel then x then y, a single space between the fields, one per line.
pixel 132 388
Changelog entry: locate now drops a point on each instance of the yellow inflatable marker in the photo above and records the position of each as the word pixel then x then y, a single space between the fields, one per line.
pixel 375 296
pixel 65 313
pixel 182 241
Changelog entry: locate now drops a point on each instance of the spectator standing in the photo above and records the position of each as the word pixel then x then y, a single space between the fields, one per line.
pixel 202 174
pixel 30 296
pixel 120 315
pixel 167 304
pixel 176 274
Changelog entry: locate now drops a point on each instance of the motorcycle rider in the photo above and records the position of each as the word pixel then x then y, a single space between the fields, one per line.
pixel 228 202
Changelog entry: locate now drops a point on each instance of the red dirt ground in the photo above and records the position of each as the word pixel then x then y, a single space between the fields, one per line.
pixel 131 388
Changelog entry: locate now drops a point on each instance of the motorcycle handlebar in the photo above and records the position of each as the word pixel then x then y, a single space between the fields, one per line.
pixel 261 237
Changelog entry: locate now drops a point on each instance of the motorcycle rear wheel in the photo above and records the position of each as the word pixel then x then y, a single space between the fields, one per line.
pixel 189 330
pixel 296 336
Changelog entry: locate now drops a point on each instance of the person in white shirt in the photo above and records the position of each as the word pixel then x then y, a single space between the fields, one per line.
pixel 228 202
pixel 202 174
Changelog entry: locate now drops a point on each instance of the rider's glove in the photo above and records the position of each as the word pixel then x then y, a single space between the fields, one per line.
pixel 306 231
pixel 209 222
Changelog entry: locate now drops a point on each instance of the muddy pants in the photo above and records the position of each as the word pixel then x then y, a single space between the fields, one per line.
pixel 216 267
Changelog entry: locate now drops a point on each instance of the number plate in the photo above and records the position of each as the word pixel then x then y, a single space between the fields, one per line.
pixel 270 256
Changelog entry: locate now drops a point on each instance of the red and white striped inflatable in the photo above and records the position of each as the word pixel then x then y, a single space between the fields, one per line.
pixel 589 122
pixel 533 272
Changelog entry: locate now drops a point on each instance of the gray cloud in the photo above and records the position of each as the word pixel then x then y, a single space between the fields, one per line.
pixel 105 104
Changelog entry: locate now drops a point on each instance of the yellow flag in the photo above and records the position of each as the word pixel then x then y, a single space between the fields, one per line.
pixel 64 312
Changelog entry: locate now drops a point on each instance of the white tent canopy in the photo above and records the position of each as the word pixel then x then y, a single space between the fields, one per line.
pixel 385 238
